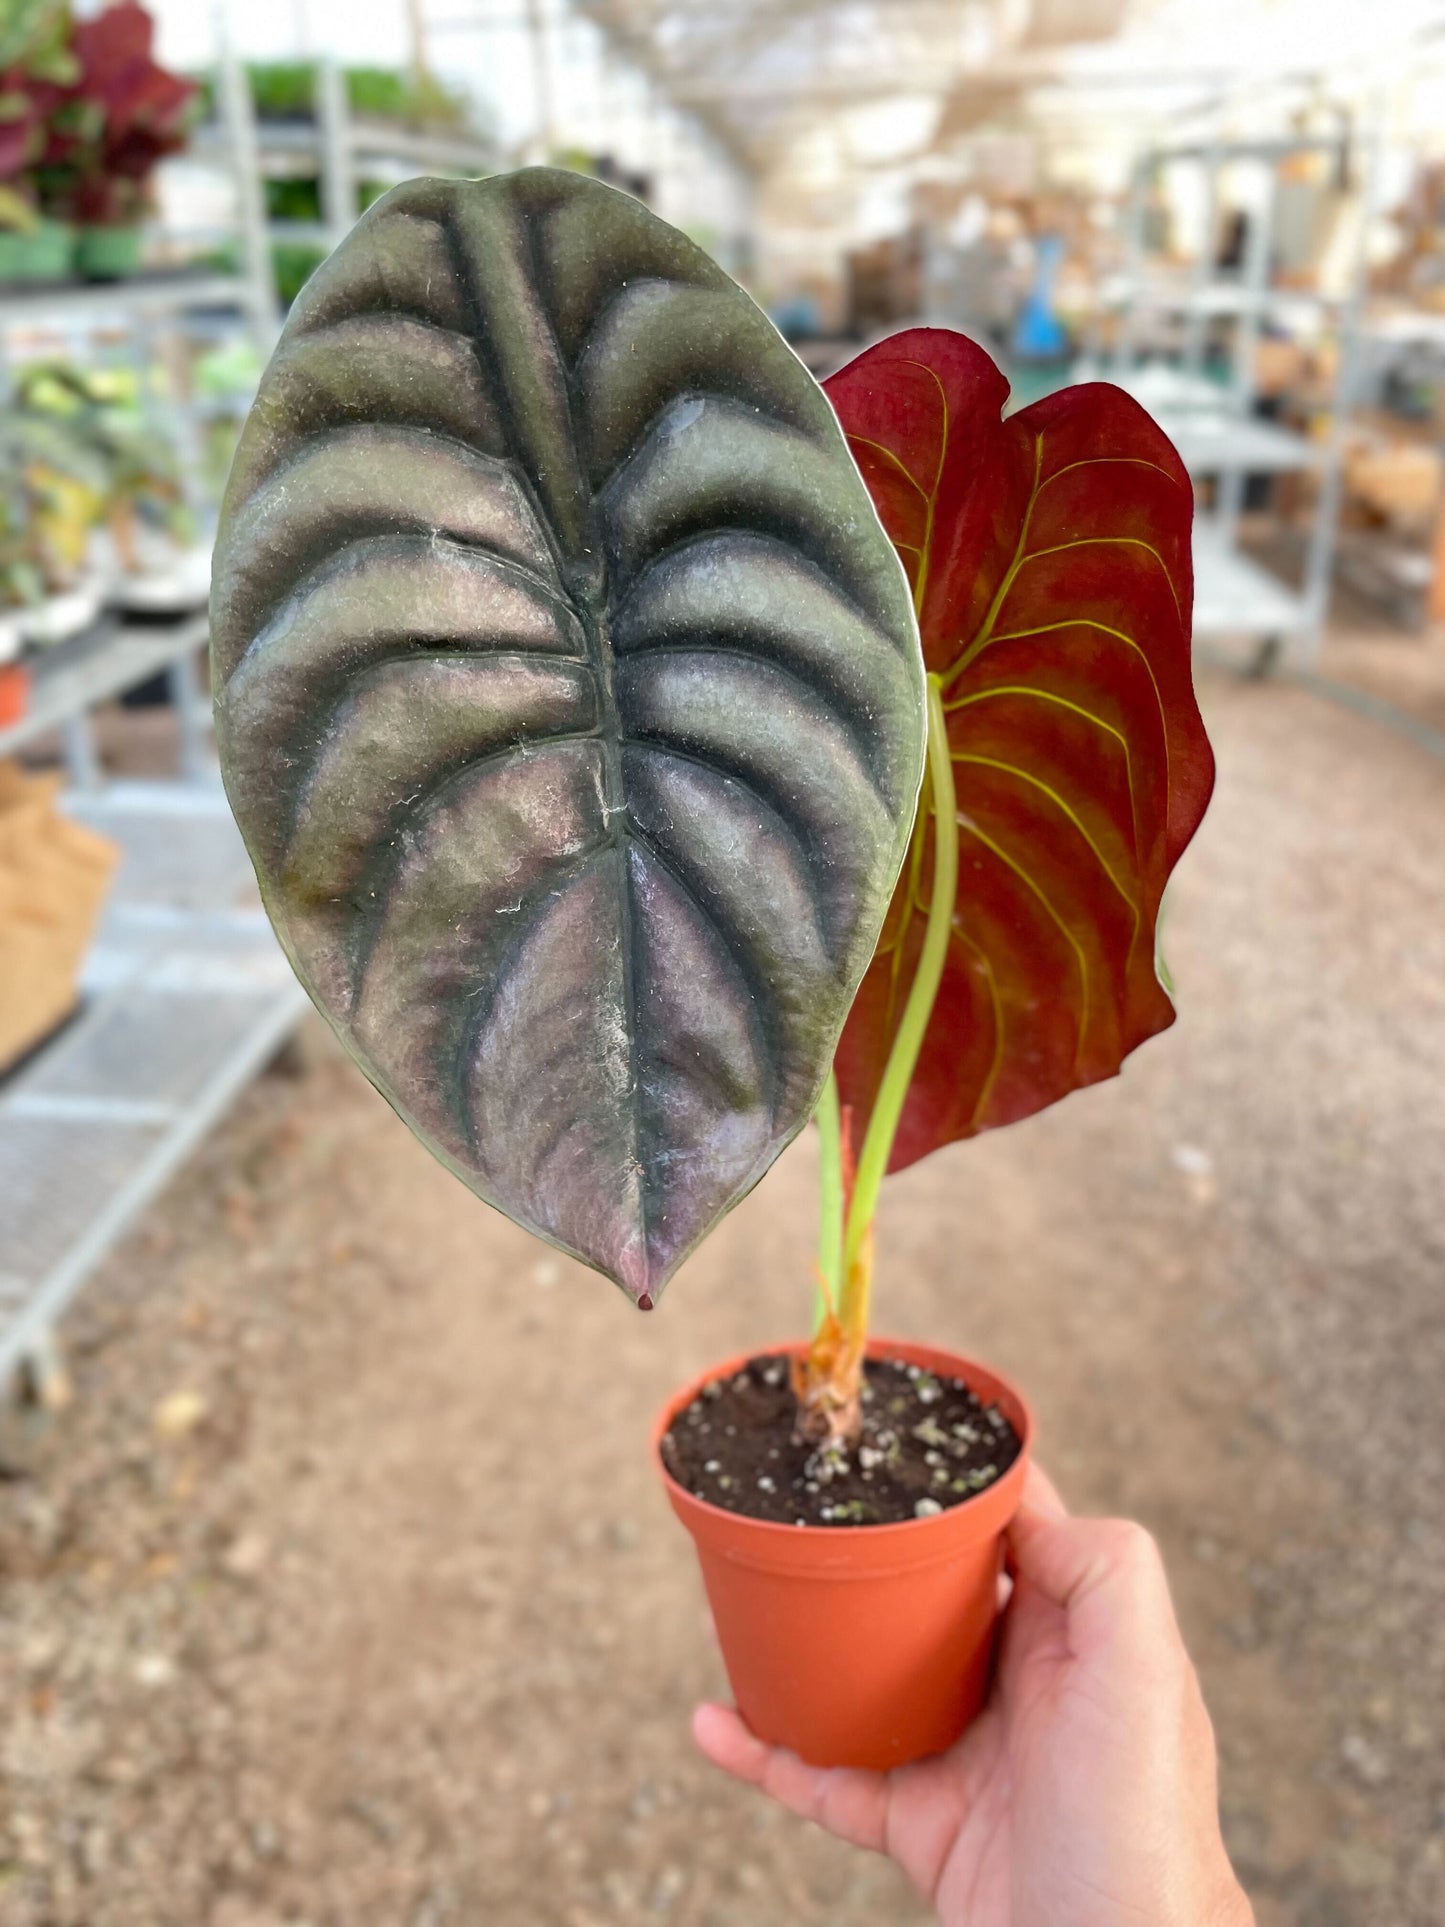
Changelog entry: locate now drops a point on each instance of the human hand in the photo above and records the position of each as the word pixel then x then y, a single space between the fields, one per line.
pixel 1085 1794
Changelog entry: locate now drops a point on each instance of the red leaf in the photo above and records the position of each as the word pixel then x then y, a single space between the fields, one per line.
pixel 1050 563
pixel 114 40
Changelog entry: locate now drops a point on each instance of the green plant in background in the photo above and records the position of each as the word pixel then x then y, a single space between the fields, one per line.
pixel 21 26
pixel 22 578
pixel 35 46
pixel 225 379
pixel 286 90
pixel 418 97
pixel 283 89
pixel 17 214
pixel 37 65
pixel 293 263
pixel 92 457
pixel 54 490
pixel 295 197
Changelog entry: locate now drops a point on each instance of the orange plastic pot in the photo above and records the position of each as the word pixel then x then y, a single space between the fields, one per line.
pixel 858 1645
pixel 14 693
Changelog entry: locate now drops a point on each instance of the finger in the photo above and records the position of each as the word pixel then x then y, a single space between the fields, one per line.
pixel 1041 1494
pixel 721 1735
pixel 1106 1574
pixel 1040 1497
pixel 847 1801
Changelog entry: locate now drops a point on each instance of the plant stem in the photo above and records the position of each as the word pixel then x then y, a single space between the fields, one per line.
pixel 830 1202
pixel 828 1379
pixel 908 1041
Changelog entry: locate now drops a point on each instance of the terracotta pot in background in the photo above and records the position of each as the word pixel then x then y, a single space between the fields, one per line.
pixel 14 693
pixel 858 1645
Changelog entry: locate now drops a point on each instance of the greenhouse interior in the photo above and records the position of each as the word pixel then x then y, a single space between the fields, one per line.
pixel 696 436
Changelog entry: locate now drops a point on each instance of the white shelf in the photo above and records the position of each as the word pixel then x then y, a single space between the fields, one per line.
pixel 371 140
pixel 1216 300
pixel 376 140
pixel 113 658
pixel 302 233
pixel 1210 437
pixel 1159 388
pixel 143 294
pixel 1218 434
pixel 186 996
pixel 1218 444
pixel 1235 596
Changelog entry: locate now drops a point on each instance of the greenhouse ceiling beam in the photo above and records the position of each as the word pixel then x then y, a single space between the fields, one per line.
pixel 631 40
pixel 639 50
pixel 880 83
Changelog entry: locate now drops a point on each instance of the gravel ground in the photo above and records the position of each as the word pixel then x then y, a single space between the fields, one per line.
pixel 341 1593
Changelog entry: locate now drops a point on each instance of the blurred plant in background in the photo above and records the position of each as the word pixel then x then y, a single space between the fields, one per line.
pixel 37 65
pixel 91 425
pixel 22 581
pixel 285 90
pixel 86 113
pixel 122 115
pixel 77 456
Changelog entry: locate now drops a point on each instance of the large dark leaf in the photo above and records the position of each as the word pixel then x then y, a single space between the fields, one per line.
pixel 1050 563
pixel 570 702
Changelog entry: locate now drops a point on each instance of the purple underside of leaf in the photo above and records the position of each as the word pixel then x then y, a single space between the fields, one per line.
pixel 570 703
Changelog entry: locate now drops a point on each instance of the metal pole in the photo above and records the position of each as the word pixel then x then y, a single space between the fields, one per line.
pixel 238 117
pixel 1125 356
pixel 1254 290
pixel 542 78
pixel 418 40
pixel 1196 320
pixel 192 717
pixel 80 760
pixel 1320 559
pixel 338 192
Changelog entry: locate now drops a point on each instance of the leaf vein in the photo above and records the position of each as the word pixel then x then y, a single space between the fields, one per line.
pixel 1080 957
pixel 1059 802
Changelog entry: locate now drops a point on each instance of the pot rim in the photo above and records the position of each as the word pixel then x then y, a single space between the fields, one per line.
pixel 1008 1486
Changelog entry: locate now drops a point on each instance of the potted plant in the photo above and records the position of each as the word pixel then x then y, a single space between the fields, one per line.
pixel 87 428
pixel 36 66
pixel 120 117
pixel 1049 560
pixel 58 484
pixel 625 786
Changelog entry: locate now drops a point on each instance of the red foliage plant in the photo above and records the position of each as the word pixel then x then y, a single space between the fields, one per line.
pixel 36 66
pixel 1049 558
pixel 122 115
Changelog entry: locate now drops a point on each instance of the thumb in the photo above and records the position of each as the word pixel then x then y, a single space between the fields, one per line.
pixel 1106 1574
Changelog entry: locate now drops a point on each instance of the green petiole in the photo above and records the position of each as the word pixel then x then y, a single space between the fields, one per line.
pixel 908 1042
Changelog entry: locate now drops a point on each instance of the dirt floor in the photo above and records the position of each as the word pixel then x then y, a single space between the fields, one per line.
pixel 342 1593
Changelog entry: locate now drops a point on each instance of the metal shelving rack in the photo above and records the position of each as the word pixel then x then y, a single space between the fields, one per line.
pixel 143 299
pixel 109 659
pixel 185 993
pixel 1214 425
pixel 184 996
pixel 338 145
